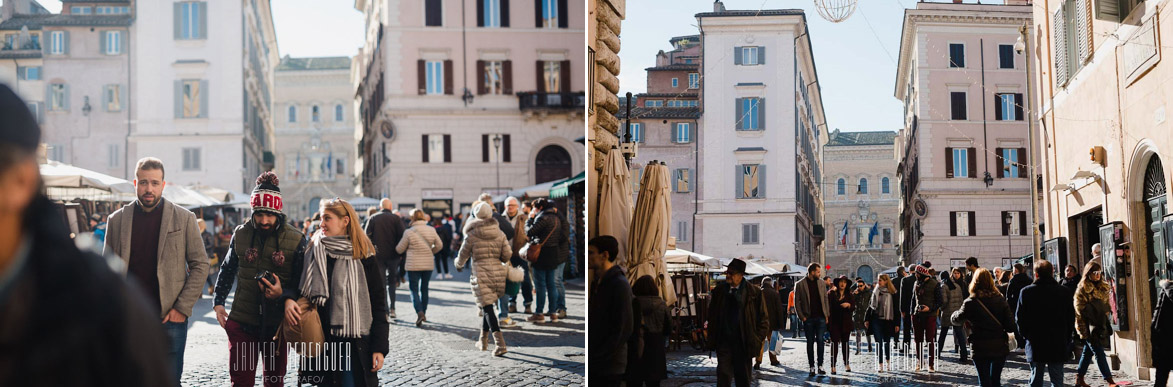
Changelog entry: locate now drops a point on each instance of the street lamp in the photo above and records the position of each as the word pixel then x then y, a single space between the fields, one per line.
pixel 497 147
pixel 1020 47
pixel 1009 250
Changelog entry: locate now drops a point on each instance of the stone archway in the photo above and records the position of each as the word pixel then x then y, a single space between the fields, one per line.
pixel 553 162
pixel 1146 205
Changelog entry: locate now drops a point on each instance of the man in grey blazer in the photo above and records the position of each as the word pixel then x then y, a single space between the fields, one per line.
pixel 160 243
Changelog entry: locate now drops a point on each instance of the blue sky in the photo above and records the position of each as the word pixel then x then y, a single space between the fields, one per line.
pixel 857 68
pixel 306 27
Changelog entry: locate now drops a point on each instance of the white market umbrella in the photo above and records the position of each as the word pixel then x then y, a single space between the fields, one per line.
pixel 751 267
pixel 678 256
pixel 615 206
pixel 187 197
pixel 648 236
pixel 58 175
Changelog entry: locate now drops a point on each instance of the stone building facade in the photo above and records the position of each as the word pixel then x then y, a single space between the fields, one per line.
pixel 861 194
pixel 604 23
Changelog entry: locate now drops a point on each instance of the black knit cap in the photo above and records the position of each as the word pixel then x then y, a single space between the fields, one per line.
pixel 17 125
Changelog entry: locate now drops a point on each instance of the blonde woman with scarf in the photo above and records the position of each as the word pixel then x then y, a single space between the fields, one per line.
pixel 347 288
pixel 1091 321
pixel 486 246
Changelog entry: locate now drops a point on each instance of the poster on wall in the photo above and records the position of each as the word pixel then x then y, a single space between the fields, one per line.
pixel 1111 239
pixel 1055 251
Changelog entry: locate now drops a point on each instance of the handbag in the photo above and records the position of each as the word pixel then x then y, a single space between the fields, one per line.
pixel 1011 343
pixel 516 274
pixel 532 251
pixel 307 337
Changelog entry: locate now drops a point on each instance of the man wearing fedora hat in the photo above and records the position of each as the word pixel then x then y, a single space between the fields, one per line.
pixel 738 322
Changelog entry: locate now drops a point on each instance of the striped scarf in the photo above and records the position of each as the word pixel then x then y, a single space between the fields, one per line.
pixel 350 310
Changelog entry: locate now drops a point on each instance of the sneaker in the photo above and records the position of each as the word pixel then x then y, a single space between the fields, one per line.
pixel 448 275
pixel 439 276
pixel 562 313
pixel 508 322
pixel 536 318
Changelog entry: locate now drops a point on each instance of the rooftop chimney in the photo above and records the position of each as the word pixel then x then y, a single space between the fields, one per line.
pixel 718 6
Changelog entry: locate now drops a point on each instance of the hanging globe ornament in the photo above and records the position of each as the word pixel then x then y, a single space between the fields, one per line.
pixel 835 11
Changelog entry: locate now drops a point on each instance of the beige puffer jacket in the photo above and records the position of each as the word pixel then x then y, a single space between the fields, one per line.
pixel 486 245
pixel 420 242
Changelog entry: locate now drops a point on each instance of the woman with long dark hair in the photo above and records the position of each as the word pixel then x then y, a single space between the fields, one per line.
pixel 990 320
pixel 348 290
pixel 655 320
pixel 1092 323
pixel 840 326
pixel 954 292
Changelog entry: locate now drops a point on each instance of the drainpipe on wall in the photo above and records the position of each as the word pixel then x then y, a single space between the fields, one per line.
pixel 697 146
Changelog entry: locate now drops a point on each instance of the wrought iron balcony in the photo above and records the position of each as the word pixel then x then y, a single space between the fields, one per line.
pixel 551 101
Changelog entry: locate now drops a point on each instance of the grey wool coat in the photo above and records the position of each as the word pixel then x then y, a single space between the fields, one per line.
pixel 486 245
pixel 183 262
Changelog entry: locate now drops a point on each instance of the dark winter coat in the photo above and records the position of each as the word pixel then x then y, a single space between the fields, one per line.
pixel 1045 320
pixel 841 324
pixel 803 295
pixel 863 300
pixel 753 325
pixel 988 330
pixel 361 349
pixel 655 324
pixel 444 231
pixel 1017 283
pixel 1162 326
pixel 385 229
pixel 1070 283
pixel 538 230
pixel 927 293
pixel 775 308
pixel 610 319
pixel 67 319
pixel 906 293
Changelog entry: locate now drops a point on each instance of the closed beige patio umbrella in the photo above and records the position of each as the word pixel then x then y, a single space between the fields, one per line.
pixel 648 239
pixel 614 217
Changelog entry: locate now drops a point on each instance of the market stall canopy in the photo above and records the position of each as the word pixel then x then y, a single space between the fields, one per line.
pixel 58 175
pixel 363 203
pixel 230 198
pixel 678 256
pixel 751 267
pixel 187 197
pixel 562 189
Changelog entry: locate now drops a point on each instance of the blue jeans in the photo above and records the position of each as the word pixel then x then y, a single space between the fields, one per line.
pixel 561 285
pixel 989 371
pixel 346 378
pixel 527 284
pixel 418 281
pixel 177 335
pixel 771 343
pixel 1054 369
pixel 795 325
pixel 884 331
pixel 816 327
pixel 503 305
pixel 546 286
pixel 1085 361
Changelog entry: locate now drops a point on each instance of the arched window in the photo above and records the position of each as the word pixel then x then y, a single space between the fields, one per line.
pixel 293 114
pixel 884 187
pixel 316 114
pixel 841 187
pixel 863 186
pixel 552 163
pixel 338 112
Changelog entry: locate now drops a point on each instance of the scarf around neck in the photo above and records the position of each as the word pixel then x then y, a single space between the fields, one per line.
pixel 350 309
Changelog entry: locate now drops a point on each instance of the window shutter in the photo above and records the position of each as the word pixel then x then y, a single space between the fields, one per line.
pixel 957 100
pixel 761 181
pixel 692 132
pixel 949 163
pixel 739 181
pixel 448 77
pixel 105 99
pixel 505 149
pixel 972 224
pixel 1005 227
pixel 47 43
pixel 1022 160
pixel 480 13
pixel 997 107
pixel 999 162
pixel 672 133
pixel 66 43
pixel 203 32
pixel 952 223
pixel 761 55
pixel 422 77
pixel 737 121
pixel 761 114
pixel 1082 31
pixel 972 156
pixel 1109 10
pixel 691 180
pixel 65 102
pixel 102 37
pixel 504 13
pixel 425 153
pixel 1018 107
pixel 1021 222
pixel 204 99
pixel 541 73
pixel 481 75
pixel 485 148
pixel 538 13
pixel 1059 32
pixel 564 77
pixel 563 14
pixel 447 148
pixel 122 101
pixel 507 77
pixel 179 99
pixel 737 56
pixel 177 15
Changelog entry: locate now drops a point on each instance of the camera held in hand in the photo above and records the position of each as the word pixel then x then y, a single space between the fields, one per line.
pixel 268 275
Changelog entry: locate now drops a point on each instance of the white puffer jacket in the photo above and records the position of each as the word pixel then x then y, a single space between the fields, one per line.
pixel 486 245
pixel 420 242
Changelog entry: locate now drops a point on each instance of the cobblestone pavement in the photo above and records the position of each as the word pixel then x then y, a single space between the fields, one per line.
pixel 688 367
pixel 440 353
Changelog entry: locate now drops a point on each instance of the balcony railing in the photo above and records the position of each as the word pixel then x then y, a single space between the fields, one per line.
pixel 556 101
